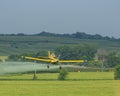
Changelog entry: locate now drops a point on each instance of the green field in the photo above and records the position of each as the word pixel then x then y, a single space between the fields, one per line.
pixel 32 44
pixel 47 84
pixel 59 88
pixel 77 84
pixel 76 76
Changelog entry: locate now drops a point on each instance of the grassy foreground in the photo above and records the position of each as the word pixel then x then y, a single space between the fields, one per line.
pixel 59 88
pixel 77 84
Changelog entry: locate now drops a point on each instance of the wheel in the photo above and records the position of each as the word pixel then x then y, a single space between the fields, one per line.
pixel 60 67
pixel 47 66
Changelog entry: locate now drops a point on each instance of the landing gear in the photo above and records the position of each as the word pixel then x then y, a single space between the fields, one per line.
pixel 48 66
pixel 60 67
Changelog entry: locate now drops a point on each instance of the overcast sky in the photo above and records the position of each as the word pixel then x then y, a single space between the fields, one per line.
pixel 60 16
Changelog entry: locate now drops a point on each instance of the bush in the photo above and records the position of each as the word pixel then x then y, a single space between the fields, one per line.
pixel 63 74
pixel 117 73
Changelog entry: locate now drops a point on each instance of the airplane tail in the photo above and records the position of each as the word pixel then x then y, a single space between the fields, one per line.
pixel 49 54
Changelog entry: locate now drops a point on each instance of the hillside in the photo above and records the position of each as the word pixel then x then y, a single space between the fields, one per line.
pixel 34 43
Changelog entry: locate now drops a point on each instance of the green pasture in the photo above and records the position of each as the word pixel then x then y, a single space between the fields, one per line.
pixel 76 76
pixel 59 88
pixel 77 84
pixel 32 44
pixel 47 84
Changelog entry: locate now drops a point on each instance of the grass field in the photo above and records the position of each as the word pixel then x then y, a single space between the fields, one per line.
pixel 47 84
pixel 77 84
pixel 32 44
pixel 76 76
pixel 59 88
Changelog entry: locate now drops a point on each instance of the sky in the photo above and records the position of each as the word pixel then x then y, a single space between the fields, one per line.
pixel 60 16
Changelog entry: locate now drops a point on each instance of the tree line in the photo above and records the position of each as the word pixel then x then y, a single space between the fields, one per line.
pixel 78 35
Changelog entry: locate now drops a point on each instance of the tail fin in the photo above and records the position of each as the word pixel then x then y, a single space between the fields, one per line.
pixel 49 54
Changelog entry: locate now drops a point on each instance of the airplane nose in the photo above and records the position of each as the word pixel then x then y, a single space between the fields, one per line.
pixel 57 61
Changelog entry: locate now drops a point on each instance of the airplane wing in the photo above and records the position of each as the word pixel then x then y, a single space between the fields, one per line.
pixel 38 59
pixel 41 57
pixel 65 61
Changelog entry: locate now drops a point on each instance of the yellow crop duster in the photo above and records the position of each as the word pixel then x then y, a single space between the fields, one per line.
pixel 52 59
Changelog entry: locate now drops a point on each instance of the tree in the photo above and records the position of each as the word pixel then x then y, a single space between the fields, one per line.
pixel 14 57
pixel 112 59
pixel 19 57
pixel 76 52
pixel 117 72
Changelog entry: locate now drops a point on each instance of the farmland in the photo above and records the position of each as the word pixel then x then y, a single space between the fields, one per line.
pixel 77 83
pixel 47 84
pixel 53 76
pixel 31 44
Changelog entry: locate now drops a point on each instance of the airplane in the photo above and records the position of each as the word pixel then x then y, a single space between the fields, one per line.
pixel 52 59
